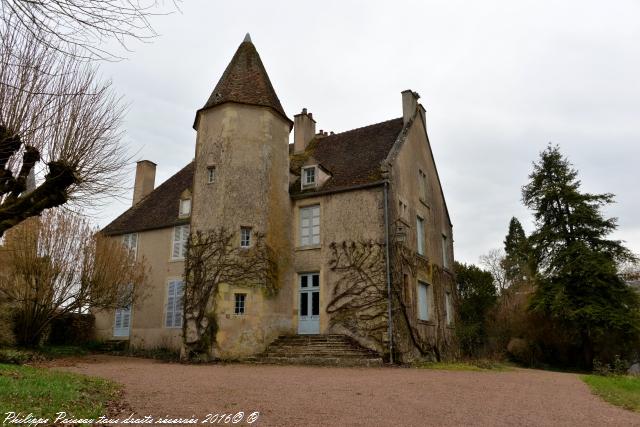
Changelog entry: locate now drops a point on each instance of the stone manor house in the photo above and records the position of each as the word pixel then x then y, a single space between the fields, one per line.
pixel 375 186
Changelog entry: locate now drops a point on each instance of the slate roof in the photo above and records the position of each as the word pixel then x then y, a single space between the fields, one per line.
pixel 352 158
pixel 158 209
pixel 245 81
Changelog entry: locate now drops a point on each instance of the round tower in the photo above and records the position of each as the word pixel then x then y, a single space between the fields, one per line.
pixel 241 183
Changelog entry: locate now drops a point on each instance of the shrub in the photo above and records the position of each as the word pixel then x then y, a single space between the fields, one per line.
pixel 19 357
pixel 72 329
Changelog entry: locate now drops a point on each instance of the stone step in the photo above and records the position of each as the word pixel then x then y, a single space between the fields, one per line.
pixel 336 350
pixel 325 361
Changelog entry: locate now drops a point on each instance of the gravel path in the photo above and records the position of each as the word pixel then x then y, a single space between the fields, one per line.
pixel 322 396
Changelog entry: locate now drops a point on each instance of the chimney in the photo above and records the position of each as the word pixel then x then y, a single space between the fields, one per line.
pixel 304 129
pixel 145 180
pixel 409 104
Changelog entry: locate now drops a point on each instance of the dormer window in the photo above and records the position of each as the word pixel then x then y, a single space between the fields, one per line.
pixel 185 207
pixel 309 177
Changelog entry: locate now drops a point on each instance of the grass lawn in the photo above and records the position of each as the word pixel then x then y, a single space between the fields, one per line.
pixel 43 392
pixel 620 390
pixel 477 366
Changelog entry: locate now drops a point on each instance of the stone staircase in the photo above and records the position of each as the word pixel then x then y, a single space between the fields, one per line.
pixel 334 350
pixel 114 345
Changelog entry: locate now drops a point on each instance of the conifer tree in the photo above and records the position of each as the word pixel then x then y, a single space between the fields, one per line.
pixel 579 287
pixel 517 261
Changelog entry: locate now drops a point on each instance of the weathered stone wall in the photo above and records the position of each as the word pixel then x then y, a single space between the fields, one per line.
pixel 412 155
pixel 248 146
pixel 148 315
pixel 349 216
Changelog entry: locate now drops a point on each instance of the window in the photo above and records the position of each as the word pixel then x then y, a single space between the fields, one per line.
pixel 245 237
pixel 309 177
pixel 310 225
pixel 448 308
pixel 130 241
pixel 175 291
pixel 240 301
pixel 420 235
pixel 423 301
pixel 445 251
pixel 180 236
pixel 211 174
pixel 185 207
pixel 422 177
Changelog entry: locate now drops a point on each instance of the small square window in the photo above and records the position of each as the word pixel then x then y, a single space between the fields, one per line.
pixel 211 174
pixel 185 207
pixel 245 237
pixel 239 303
pixel 309 177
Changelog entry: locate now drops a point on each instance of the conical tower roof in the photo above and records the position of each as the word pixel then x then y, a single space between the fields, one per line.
pixel 245 81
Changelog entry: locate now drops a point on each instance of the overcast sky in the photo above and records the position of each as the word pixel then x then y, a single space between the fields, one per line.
pixel 499 80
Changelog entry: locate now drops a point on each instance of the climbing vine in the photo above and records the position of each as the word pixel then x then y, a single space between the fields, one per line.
pixel 213 258
pixel 359 299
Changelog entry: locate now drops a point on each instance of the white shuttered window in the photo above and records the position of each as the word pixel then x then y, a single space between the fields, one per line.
pixel 179 245
pixel 130 241
pixel 310 225
pixel 175 291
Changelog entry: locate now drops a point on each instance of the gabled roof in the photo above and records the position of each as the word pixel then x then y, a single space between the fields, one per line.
pixel 353 158
pixel 158 209
pixel 245 81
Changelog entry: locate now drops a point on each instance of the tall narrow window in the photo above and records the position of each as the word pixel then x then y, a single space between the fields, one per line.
pixel 130 241
pixel 308 177
pixel 423 301
pixel 448 307
pixel 310 225
pixel 185 207
pixel 175 291
pixel 245 237
pixel 211 174
pixel 239 303
pixel 422 181
pixel 420 235
pixel 445 251
pixel 179 245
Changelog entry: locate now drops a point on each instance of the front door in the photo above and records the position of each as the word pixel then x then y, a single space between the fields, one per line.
pixel 309 304
pixel 122 322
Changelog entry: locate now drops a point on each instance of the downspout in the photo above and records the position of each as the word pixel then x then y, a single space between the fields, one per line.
pixel 386 238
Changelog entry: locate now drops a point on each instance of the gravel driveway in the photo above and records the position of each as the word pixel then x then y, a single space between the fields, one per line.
pixel 323 396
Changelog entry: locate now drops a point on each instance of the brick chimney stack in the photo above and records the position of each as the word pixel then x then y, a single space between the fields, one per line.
pixel 304 129
pixel 409 104
pixel 145 180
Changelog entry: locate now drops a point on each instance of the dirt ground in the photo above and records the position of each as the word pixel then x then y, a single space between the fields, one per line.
pixel 324 396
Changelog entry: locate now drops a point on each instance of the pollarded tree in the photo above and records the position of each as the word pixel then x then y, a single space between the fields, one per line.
pixel 59 123
pixel 579 286
pixel 517 261
pixel 57 264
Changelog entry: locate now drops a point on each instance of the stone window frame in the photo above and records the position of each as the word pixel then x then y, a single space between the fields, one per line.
pixel 421 241
pixel 183 213
pixel 428 295
pixel 239 304
pixel 245 237
pixel 211 174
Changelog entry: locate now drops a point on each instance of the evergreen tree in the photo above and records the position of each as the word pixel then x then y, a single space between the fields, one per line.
pixel 579 287
pixel 477 295
pixel 517 254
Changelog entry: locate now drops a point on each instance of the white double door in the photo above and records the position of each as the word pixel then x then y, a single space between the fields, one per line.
pixel 309 304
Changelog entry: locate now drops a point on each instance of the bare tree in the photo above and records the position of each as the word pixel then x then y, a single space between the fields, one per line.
pixel 494 262
pixel 80 28
pixel 213 258
pixel 58 122
pixel 57 264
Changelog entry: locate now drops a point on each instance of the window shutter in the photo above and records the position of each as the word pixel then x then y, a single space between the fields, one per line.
pixel 177 310
pixel 170 304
